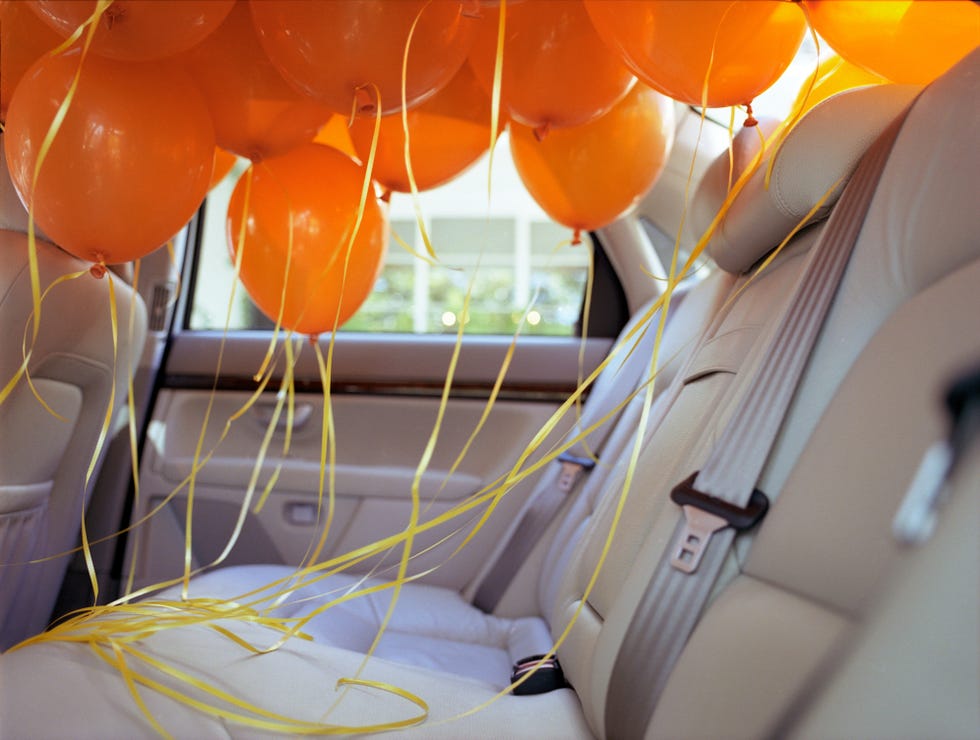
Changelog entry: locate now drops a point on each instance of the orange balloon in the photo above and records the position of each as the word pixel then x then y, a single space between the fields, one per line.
pixel 255 113
pixel 23 39
pixel 833 75
pixel 223 162
pixel 905 41
pixel 130 163
pixel 556 70
pixel 586 177
pixel 448 133
pixel 319 189
pixel 137 30
pixel 672 44
pixel 475 7
pixel 336 133
pixel 338 52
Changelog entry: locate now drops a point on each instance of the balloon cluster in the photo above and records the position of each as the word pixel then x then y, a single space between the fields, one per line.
pixel 112 140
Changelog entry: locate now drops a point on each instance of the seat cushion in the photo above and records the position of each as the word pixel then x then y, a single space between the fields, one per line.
pixel 431 627
pixel 48 687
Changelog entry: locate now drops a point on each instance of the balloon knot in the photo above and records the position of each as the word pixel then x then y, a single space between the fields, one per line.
pixel 542 131
pixel 751 120
pixel 363 102
pixel 313 339
pixel 98 271
pixel 386 196
pixel 577 237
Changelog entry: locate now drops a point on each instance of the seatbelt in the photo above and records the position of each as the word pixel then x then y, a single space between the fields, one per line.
pixel 575 462
pixel 534 522
pixel 722 495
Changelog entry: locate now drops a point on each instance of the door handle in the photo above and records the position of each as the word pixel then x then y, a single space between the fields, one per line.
pixel 263 411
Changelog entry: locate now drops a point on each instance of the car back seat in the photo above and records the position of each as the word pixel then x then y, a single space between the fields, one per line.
pixel 434 626
pixel 889 274
pixel 813 158
pixel 904 322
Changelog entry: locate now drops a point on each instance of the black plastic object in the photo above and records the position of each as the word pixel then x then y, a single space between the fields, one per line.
pixel 685 494
pixel 586 463
pixel 548 675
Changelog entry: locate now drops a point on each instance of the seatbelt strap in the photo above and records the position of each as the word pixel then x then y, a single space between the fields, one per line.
pixel 548 499
pixel 530 528
pixel 721 495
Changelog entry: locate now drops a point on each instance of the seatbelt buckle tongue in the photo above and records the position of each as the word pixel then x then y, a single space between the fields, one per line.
pixel 699 526
pixel 704 515
pixel 572 467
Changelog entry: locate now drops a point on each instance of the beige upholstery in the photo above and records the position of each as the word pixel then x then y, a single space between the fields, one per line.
pixel 929 689
pixel 827 541
pixel 861 418
pixel 707 391
pixel 43 459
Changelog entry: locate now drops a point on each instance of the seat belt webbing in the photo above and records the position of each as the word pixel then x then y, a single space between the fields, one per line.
pixel 681 584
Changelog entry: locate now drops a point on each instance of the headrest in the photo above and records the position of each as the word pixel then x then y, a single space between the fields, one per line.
pixel 722 173
pixel 824 146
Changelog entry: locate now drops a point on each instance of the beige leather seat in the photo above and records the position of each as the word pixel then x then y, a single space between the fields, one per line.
pixel 43 459
pixel 927 603
pixel 435 628
pixel 858 425
pixel 903 322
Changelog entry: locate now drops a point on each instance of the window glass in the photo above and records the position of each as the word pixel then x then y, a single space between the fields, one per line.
pixel 509 256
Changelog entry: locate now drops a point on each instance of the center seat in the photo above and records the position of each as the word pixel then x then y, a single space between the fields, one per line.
pixel 299 679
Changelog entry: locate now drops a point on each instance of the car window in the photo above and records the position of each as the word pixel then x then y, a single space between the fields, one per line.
pixel 517 259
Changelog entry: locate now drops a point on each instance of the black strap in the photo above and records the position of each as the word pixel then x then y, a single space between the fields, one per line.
pixel 547 675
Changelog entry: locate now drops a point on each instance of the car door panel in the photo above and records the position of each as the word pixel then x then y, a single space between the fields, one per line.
pixel 383 424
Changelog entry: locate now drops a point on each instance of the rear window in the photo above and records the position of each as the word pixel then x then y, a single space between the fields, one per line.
pixel 511 251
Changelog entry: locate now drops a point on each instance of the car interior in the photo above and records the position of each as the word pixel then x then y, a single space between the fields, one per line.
pixel 732 494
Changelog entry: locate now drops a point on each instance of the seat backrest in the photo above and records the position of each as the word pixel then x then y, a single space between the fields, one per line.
pixel 629 372
pixel 909 668
pixel 43 458
pixel 863 414
pixel 686 324
pixel 711 384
